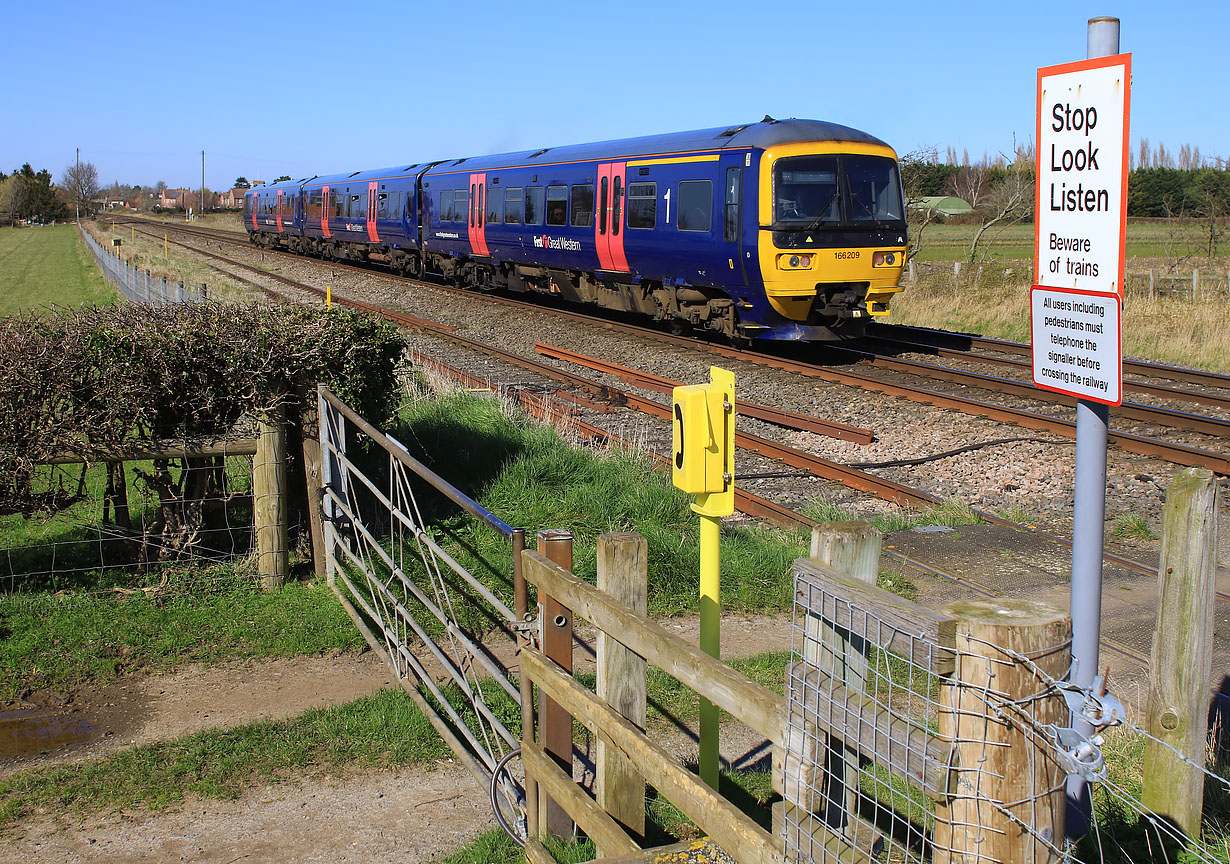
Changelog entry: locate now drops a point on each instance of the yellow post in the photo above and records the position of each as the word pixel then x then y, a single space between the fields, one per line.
pixel 328 296
pixel 164 247
pixel 710 638
pixel 704 465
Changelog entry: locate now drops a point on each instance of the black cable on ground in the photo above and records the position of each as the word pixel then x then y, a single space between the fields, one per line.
pixel 902 463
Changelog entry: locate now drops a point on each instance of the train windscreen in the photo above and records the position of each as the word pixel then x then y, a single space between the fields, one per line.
pixel 810 192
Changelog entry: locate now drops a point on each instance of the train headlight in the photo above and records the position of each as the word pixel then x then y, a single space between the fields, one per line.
pixel 789 261
pixel 884 259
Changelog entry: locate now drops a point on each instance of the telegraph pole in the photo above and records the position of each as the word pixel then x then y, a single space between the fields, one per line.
pixel 77 183
pixel 201 207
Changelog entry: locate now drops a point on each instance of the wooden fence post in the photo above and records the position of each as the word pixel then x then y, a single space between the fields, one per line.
pixel 852 549
pixel 623 573
pixel 555 723
pixel 269 500
pixel 995 760
pixel 1182 657
pixel 309 434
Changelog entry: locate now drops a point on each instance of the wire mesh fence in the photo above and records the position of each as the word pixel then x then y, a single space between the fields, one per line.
pixel 914 735
pixel 138 285
pixel 128 526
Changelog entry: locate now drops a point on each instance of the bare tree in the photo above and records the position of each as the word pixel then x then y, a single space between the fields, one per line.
pixel 970 184
pixel 80 181
pixel 1009 201
pixel 918 217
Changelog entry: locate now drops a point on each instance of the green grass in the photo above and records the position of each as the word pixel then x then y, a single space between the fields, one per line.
pixel 947 242
pixel 381 731
pixel 527 476
pixel 950 513
pixel 1132 526
pixel 45 266
pixel 66 641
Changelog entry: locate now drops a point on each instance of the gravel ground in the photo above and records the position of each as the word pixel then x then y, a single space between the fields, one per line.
pixel 1030 478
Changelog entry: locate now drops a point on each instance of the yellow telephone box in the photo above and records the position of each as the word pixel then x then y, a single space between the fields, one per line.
pixel 703 435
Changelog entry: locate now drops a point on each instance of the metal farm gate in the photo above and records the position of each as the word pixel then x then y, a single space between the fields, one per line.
pixel 448 636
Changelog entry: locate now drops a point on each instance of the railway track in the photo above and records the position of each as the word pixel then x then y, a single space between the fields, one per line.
pixel 848 476
pixel 943 341
pixel 1176 453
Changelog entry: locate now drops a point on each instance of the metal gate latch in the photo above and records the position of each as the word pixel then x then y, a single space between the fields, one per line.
pixel 1099 711
pixel 1079 755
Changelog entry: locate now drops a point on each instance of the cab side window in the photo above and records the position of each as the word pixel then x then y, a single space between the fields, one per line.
pixel 695 205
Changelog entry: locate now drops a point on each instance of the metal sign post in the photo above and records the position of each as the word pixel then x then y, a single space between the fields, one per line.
pixel 703 435
pixel 1076 302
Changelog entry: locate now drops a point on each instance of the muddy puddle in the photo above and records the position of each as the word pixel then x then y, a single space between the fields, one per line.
pixel 29 732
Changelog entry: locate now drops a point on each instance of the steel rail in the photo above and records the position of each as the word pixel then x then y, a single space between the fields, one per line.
pixel 767 413
pixel 1154 370
pixel 1131 410
pixel 1201 397
pixel 1176 453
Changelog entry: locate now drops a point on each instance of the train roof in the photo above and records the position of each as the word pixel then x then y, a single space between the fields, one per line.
pixel 393 173
pixel 766 133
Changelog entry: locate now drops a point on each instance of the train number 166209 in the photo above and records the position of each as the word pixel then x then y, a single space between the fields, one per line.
pixel 850 254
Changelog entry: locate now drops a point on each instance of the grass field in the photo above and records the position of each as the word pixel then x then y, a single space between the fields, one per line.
pixel 992 299
pixel 1184 240
pixel 48 266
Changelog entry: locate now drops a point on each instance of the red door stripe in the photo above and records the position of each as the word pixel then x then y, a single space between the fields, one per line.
pixel 475 222
pixel 616 230
pixel 324 212
pixel 371 212
pixel 278 210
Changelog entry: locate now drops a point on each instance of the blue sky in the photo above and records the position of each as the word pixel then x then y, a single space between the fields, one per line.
pixel 267 89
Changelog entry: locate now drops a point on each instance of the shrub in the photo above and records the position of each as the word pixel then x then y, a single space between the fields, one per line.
pixel 89 381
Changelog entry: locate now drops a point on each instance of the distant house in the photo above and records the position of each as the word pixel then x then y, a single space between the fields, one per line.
pixel 945 205
pixel 171 198
pixel 233 198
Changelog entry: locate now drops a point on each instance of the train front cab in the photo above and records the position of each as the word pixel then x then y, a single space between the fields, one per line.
pixel 832 237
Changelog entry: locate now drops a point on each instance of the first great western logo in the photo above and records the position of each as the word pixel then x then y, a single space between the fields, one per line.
pixel 545 241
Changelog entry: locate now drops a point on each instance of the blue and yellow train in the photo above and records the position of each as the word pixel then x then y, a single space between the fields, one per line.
pixel 782 229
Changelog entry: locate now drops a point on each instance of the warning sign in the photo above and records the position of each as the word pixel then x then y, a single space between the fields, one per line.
pixel 1081 227
pixel 1081 215
pixel 1076 343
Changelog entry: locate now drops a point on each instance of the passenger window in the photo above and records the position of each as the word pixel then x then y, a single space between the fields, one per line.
pixel 617 211
pixel 446 206
pixel 512 206
pixel 382 205
pixel 533 205
pixel 582 206
pixel 642 205
pixel 695 205
pixel 339 205
pixel 358 209
pixel 459 205
pixel 730 230
pixel 495 206
pixel 602 205
pixel 557 205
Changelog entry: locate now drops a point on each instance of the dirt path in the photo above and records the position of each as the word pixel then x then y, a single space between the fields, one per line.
pixel 410 815
pixel 391 817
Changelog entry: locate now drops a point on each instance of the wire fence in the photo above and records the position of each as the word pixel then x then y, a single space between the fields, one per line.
pixel 123 527
pixel 916 736
pixel 139 286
